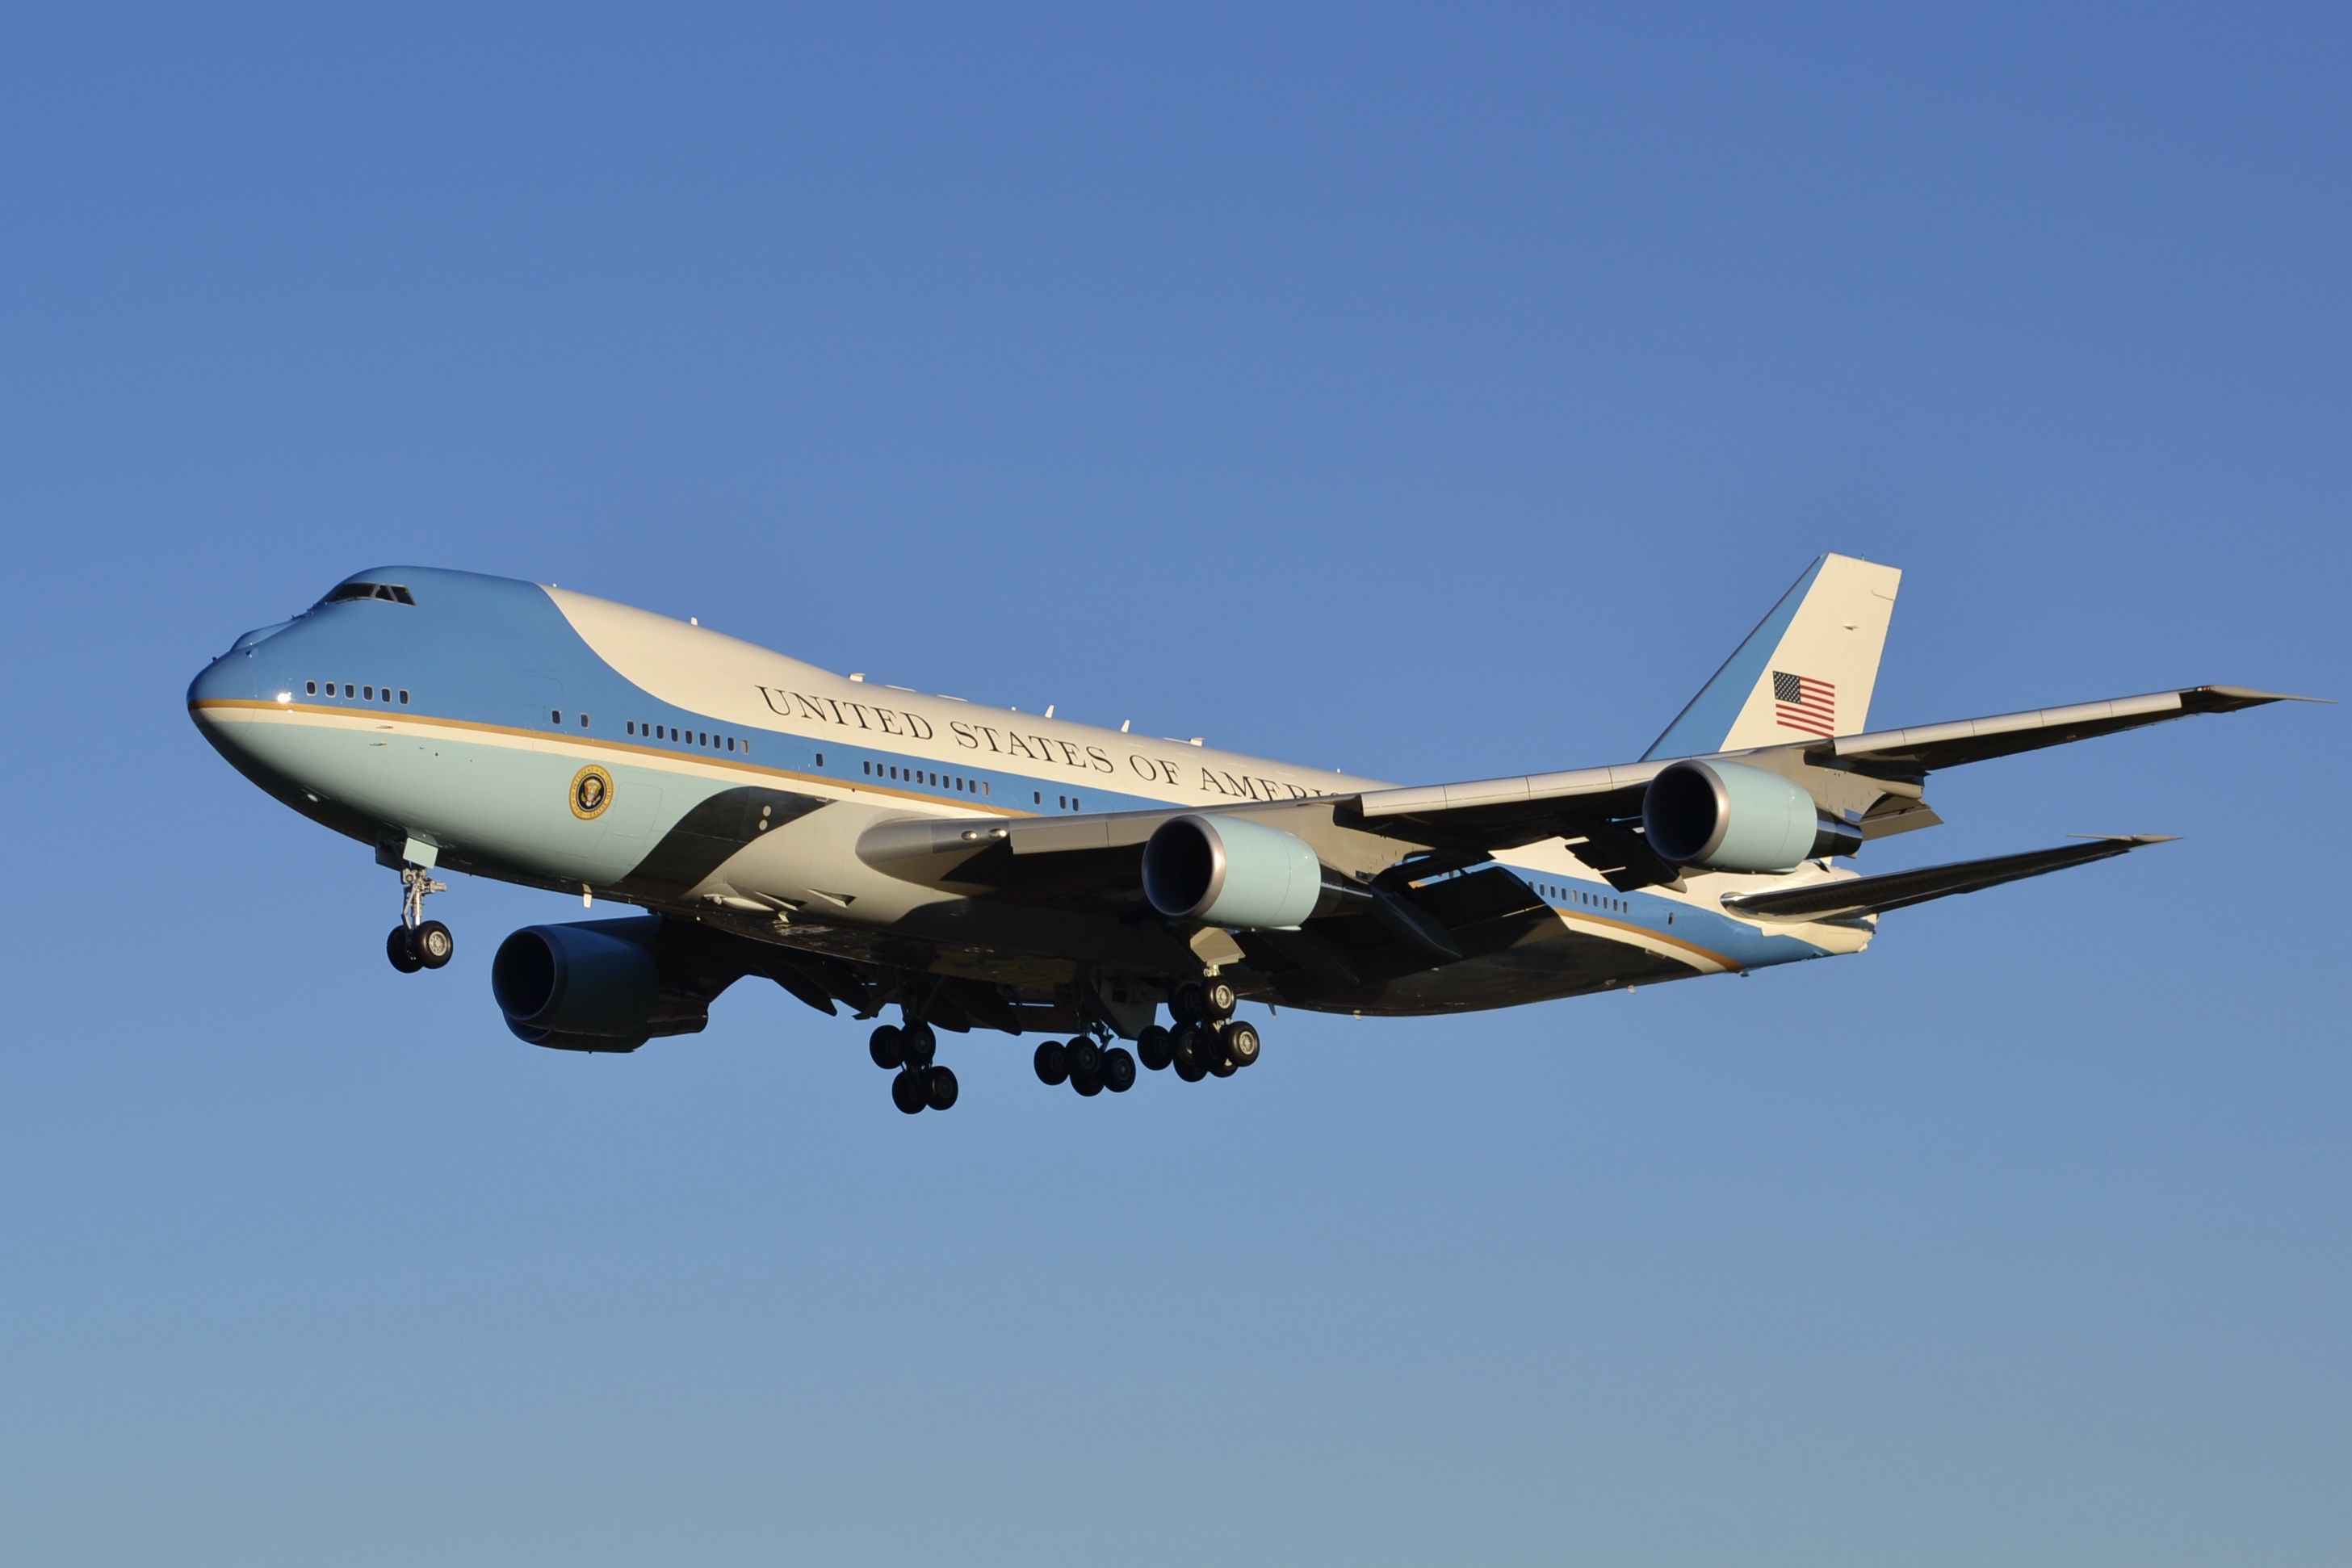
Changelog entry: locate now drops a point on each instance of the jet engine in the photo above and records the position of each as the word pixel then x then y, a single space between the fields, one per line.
pixel 1230 871
pixel 1725 816
pixel 593 985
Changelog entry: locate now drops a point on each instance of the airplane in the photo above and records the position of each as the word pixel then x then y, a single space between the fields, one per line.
pixel 866 846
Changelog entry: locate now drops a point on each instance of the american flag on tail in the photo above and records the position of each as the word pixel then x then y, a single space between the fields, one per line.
pixel 1801 703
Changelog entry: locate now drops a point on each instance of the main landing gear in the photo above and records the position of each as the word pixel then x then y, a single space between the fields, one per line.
pixel 416 942
pixel 1208 1041
pixel 918 1084
pixel 1086 1066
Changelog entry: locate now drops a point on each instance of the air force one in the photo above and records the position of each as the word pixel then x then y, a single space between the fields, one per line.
pixel 976 867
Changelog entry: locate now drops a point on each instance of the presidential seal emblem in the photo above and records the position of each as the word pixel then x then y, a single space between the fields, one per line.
pixel 592 791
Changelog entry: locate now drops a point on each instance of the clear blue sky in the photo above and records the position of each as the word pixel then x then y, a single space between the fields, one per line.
pixel 1432 394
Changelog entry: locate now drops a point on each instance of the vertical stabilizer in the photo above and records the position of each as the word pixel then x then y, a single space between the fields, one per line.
pixel 1805 673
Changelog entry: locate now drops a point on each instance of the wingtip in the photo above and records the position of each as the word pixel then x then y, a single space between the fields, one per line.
pixel 2136 840
pixel 2248 696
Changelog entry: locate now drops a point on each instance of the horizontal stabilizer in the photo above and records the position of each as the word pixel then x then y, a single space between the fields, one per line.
pixel 1849 896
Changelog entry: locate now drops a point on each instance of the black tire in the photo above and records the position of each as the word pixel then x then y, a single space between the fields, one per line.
pixel 1191 1069
pixel 1086 1058
pixel 887 1049
pixel 940 1087
pixel 396 948
pixel 1188 1044
pixel 921 1043
pixel 1053 1064
pixel 1241 1043
pixel 1118 1070
pixel 1225 1067
pixel 1219 1001
pixel 1089 1085
pixel 909 1092
pixel 1189 1004
pixel 433 945
pixel 1155 1048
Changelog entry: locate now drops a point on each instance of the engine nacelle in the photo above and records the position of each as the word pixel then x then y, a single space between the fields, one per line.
pixel 1229 871
pixel 588 987
pixel 1724 816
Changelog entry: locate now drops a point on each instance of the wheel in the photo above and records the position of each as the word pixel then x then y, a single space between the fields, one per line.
pixel 1118 1070
pixel 1225 1067
pixel 1089 1085
pixel 941 1088
pixel 1191 1069
pixel 1154 1047
pixel 887 1049
pixel 909 1092
pixel 396 947
pixel 433 945
pixel 1086 1058
pixel 1190 1044
pixel 1241 1043
pixel 1189 1004
pixel 921 1043
pixel 1053 1063
pixel 1220 1000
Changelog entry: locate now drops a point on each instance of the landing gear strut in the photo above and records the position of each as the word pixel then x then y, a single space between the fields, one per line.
pixel 416 942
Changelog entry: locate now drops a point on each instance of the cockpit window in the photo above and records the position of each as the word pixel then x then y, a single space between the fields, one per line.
pixel 391 590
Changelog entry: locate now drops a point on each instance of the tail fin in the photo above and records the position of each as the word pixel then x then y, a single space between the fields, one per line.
pixel 1807 671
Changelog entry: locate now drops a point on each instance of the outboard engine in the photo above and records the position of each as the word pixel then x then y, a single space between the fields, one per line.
pixel 1725 816
pixel 593 985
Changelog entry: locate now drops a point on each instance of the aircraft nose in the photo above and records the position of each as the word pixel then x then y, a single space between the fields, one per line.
pixel 228 678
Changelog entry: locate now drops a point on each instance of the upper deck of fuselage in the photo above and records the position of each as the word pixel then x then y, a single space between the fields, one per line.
pixel 496 653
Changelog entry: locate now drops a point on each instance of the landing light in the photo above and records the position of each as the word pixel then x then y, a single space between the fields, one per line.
pixel 285 697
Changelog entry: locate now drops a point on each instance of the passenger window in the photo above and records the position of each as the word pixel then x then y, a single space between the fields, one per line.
pixel 629 725
pixel 583 720
pixel 368 692
pixel 311 688
pixel 403 696
pixel 554 716
pixel 347 689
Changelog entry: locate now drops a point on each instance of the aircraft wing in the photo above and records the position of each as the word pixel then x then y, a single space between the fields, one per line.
pixel 1917 752
pixel 1874 779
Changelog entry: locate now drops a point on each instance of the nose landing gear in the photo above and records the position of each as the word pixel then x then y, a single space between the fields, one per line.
pixel 416 942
